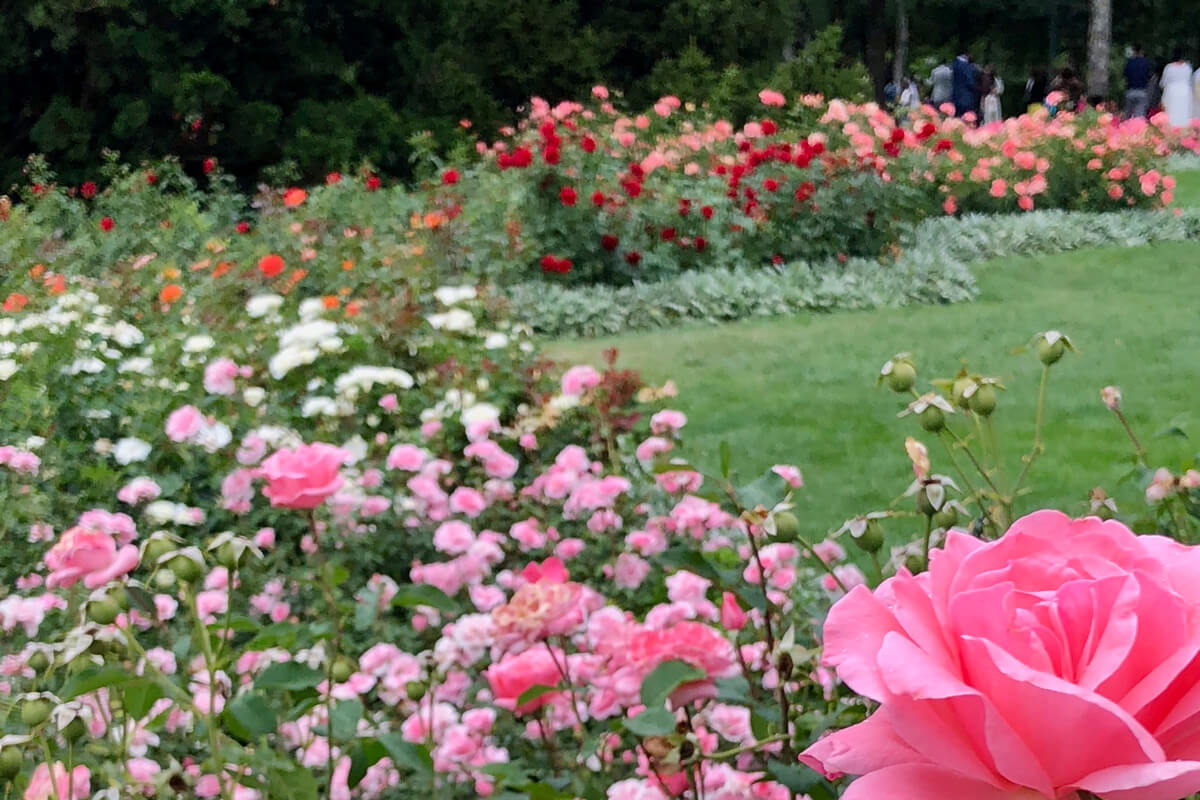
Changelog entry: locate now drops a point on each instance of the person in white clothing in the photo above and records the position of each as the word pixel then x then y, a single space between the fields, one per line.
pixel 1177 86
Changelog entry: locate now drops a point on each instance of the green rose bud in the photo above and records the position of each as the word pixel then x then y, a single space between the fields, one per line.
pixel 38 661
pixel 343 668
pixel 924 504
pixel 185 569
pixel 35 712
pixel 415 689
pixel 932 419
pixel 158 547
pixel 959 391
pixel 902 377
pixel 871 539
pixel 1050 353
pixel 947 517
pixel 10 762
pixel 983 402
pixel 75 729
pixel 230 556
pixel 915 563
pixel 787 527
pixel 103 611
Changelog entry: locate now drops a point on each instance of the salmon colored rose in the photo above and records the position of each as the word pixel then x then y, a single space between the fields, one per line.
pixel 1060 659
pixel 303 477
pixel 517 674
pixel 73 785
pixel 90 554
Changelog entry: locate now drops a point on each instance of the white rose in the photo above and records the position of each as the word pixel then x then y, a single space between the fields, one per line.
pixel 312 308
pixel 130 449
pixel 8 368
pixel 213 437
pixel 289 358
pixel 262 304
pixel 495 341
pixel 456 319
pixel 127 335
pixel 198 344
pixel 319 406
pixel 253 396
pixel 449 295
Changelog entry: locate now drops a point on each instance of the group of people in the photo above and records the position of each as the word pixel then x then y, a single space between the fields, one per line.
pixel 1178 88
pixel 964 85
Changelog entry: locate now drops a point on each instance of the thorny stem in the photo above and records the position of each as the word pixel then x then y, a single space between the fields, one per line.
pixel 974 461
pixel 210 717
pixel 975 493
pixel 928 537
pixel 335 648
pixel 996 458
pixel 564 671
pixel 807 548
pixel 720 755
pixel 1036 450
pixel 1179 513
pixel 1141 451
pixel 551 747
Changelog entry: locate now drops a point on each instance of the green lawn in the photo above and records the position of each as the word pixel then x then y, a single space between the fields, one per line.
pixel 801 389
pixel 1187 192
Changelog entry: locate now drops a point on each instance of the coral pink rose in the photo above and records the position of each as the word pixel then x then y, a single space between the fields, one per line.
pixel 517 674
pixel 90 554
pixel 691 642
pixel 304 477
pixel 74 785
pixel 1061 658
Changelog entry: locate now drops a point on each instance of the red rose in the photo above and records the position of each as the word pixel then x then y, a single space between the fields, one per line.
pixel 588 144
pixel 88 190
pixel 450 177
pixel 242 227
pixel 106 224
pixel 597 199
pixel 270 265
pixel 373 183
pixel 700 244
pixel 770 184
pixel 769 127
pixel 332 178
pixel 567 196
pixel 609 242
pixel 667 234
pixel 706 212
pixel 632 258
pixel 151 178
pixel 550 155
pixel 209 165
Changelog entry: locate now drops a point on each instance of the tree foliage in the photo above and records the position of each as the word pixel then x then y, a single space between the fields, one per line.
pixel 317 86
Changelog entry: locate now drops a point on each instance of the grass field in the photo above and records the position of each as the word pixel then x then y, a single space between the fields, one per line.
pixel 802 389
pixel 1187 192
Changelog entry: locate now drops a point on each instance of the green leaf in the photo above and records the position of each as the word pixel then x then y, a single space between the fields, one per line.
pixel 651 722
pixel 726 458
pixel 289 676
pixel 365 754
pixel 798 779
pixel 294 784
pixel 734 690
pixel 252 713
pixel 93 678
pixel 336 574
pixel 407 754
pixel 768 491
pixel 422 594
pixel 534 692
pixel 759 726
pixel 367 610
pixel 345 716
pixel 237 624
pixel 281 634
pixel 143 600
pixel 666 678
pixel 140 697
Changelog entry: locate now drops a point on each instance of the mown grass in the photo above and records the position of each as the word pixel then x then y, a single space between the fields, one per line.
pixel 802 389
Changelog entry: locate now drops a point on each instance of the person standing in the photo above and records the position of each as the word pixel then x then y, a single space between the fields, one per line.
pixel 1137 84
pixel 942 81
pixel 993 109
pixel 1177 90
pixel 910 98
pixel 966 85
pixel 1035 90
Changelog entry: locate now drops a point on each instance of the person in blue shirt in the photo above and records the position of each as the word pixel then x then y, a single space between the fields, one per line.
pixel 1137 84
pixel 966 85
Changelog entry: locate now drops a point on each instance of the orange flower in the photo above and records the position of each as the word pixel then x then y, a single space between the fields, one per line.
pixel 352 308
pixel 170 273
pixel 433 220
pixel 298 275
pixel 270 265
pixel 330 301
pixel 15 302
pixel 55 284
pixel 170 293
pixel 344 291
pixel 203 263
pixel 221 268
pixel 36 271
pixel 294 197
pixel 347 265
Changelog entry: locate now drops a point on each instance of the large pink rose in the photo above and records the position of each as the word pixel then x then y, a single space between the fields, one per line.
pixel 1061 658
pixel 692 642
pixel 517 674
pixel 304 477
pixel 90 554
pixel 73 785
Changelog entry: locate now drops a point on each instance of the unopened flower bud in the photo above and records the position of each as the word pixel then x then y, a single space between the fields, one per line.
pixel 983 400
pixel 36 711
pixel 946 517
pixel 785 666
pixel 342 669
pixel 75 729
pixel 103 611
pixel 1050 347
pixel 185 569
pixel 899 373
pixel 1111 396
pixel 733 618
pixel 871 538
pixel 38 661
pixel 915 563
pixel 10 762
pixel 932 419
pixel 787 527
pixel 960 391
pixel 415 690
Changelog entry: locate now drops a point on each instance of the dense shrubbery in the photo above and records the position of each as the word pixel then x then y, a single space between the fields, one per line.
pixel 584 195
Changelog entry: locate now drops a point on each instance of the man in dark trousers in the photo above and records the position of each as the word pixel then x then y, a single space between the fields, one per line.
pixel 1137 84
pixel 966 85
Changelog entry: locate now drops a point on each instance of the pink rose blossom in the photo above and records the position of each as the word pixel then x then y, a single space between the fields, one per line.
pixel 580 379
pixel 514 675
pixel 75 785
pixel 770 97
pixel 184 424
pixel 667 421
pixel 302 478
pixel 90 554
pixel 1060 631
pixel 406 457
pixel 465 500
pixel 219 376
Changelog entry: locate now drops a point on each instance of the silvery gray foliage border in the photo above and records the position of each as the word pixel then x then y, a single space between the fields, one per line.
pixel 932 269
